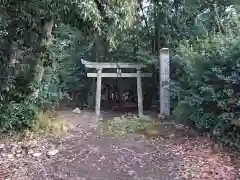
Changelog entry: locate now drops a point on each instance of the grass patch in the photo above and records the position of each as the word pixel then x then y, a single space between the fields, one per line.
pixel 51 123
pixel 48 124
pixel 124 125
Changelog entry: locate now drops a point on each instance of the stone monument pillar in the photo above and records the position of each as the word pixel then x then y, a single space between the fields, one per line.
pixel 164 82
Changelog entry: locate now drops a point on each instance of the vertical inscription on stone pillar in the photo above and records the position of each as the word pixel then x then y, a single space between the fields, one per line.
pixel 164 82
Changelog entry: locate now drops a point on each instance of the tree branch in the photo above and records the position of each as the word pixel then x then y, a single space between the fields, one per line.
pixel 144 17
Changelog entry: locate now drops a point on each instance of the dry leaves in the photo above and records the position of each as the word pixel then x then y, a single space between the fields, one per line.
pixel 200 163
pixel 15 157
pixel 156 155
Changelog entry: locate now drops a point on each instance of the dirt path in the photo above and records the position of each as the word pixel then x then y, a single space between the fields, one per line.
pixel 87 154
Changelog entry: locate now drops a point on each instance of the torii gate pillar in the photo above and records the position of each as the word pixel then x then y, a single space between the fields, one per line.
pixel 139 92
pixel 98 92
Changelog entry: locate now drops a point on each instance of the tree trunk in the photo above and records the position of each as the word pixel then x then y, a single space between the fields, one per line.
pixel 45 41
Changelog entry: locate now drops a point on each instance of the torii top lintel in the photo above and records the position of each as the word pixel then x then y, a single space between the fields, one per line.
pixel 101 65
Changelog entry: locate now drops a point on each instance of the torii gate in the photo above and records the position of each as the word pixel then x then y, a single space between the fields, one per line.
pixel 164 80
pixel 99 66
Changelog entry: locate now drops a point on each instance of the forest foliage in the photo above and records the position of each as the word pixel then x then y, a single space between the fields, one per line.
pixel 43 41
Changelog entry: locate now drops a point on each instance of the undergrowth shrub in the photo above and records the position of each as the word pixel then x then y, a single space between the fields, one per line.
pixel 19 110
pixel 18 116
pixel 210 74
pixel 49 91
pixel 181 112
